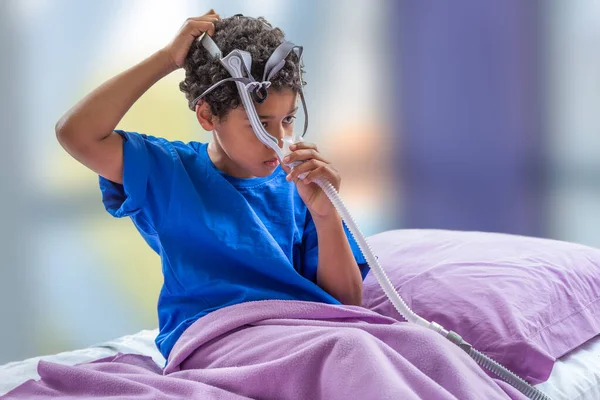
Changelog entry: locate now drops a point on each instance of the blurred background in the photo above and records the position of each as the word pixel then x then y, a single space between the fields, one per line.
pixel 463 115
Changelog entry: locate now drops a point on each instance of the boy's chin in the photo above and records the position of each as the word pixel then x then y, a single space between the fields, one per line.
pixel 264 173
pixel 262 170
pixel 267 168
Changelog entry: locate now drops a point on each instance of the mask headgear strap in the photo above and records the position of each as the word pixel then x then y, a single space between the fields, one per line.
pixel 258 90
pixel 277 61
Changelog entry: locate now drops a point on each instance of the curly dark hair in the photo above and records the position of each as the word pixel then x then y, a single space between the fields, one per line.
pixel 254 35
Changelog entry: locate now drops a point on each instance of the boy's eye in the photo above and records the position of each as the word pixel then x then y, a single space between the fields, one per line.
pixel 287 120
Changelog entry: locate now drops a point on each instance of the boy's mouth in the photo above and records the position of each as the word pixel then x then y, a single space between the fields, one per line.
pixel 273 162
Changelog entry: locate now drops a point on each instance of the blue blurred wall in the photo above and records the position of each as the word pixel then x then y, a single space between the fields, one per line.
pixel 471 154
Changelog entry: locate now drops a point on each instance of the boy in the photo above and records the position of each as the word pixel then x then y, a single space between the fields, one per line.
pixel 230 224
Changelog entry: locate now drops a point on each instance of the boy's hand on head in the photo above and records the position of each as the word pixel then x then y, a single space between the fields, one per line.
pixel 313 168
pixel 179 47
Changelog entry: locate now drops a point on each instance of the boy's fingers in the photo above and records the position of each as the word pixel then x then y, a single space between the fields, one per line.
pixel 304 155
pixel 304 145
pixel 323 171
pixel 205 19
pixel 303 168
pixel 198 27
pixel 314 174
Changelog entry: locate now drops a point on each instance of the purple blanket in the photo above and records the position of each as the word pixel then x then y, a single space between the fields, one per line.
pixel 283 350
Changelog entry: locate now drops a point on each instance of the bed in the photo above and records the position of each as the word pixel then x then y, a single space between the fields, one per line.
pixel 576 376
pixel 537 305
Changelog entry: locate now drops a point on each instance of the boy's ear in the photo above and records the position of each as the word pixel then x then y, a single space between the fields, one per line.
pixel 205 116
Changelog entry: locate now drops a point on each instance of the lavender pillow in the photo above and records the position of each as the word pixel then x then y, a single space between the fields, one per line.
pixel 523 301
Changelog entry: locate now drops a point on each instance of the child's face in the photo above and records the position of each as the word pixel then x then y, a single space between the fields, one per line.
pixel 241 153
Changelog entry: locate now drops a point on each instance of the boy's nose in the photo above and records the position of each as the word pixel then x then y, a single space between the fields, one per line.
pixel 278 133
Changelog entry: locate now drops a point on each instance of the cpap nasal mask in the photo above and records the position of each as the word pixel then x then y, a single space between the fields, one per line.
pixel 238 63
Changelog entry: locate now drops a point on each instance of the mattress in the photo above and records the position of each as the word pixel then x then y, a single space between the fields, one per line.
pixel 576 376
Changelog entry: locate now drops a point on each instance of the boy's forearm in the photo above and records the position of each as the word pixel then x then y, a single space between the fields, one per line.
pixel 98 114
pixel 337 272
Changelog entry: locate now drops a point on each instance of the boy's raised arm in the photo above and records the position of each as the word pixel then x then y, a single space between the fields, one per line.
pixel 86 131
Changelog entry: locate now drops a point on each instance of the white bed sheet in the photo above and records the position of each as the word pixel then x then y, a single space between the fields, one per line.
pixel 15 373
pixel 576 376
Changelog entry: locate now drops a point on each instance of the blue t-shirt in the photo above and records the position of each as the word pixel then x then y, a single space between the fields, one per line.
pixel 222 240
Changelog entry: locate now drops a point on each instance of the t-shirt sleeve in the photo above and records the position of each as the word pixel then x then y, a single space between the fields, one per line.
pixel 148 166
pixel 311 251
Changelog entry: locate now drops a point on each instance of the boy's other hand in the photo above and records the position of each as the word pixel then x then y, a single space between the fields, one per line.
pixel 179 47
pixel 314 167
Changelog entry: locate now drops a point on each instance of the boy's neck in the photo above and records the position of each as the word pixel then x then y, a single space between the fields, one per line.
pixel 225 164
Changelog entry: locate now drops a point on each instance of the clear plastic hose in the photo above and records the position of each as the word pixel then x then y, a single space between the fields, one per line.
pixel 408 314
pixel 366 250
pixel 506 375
